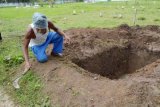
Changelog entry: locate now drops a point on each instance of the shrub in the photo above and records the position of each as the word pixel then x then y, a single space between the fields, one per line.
pixel 156 20
pixel 141 18
pixel 11 61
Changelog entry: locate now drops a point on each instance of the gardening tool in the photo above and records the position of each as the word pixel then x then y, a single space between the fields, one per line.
pixel 15 82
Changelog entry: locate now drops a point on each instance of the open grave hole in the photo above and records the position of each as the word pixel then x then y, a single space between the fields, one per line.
pixel 117 61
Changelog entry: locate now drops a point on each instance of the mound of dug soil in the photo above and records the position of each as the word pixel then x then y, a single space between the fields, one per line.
pixel 117 67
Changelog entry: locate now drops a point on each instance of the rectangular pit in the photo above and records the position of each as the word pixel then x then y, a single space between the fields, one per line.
pixel 117 61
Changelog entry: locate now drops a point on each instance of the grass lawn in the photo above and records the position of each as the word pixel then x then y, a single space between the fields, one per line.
pixel 14 22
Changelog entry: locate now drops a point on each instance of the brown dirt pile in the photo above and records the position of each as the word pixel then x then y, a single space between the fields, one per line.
pixel 117 67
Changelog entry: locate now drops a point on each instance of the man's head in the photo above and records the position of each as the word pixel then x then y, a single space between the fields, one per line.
pixel 40 21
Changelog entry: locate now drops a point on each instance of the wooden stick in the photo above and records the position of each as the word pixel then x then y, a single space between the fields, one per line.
pixel 135 17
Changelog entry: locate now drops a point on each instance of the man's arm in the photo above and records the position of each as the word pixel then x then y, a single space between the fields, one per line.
pixel 26 41
pixel 53 27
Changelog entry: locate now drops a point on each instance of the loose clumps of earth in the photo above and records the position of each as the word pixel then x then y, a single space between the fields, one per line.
pixel 116 67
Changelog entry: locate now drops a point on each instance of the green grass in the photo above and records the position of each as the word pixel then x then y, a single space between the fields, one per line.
pixel 31 84
pixel 29 95
pixel 14 22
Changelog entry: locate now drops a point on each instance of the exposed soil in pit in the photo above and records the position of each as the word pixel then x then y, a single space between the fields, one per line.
pixel 132 48
pixel 126 57
pixel 117 61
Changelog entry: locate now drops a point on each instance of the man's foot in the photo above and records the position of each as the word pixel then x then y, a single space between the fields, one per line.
pixel 57 54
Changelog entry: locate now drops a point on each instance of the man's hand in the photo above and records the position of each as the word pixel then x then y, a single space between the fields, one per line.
pixel 27 67
pixel 67 39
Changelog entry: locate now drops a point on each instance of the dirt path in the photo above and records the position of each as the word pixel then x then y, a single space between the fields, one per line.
pixel 5 100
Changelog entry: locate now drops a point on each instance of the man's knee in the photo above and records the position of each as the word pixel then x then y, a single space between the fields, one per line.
pixel 42 59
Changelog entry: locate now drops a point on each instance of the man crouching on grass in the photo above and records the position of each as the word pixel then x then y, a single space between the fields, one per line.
pixel 39 36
